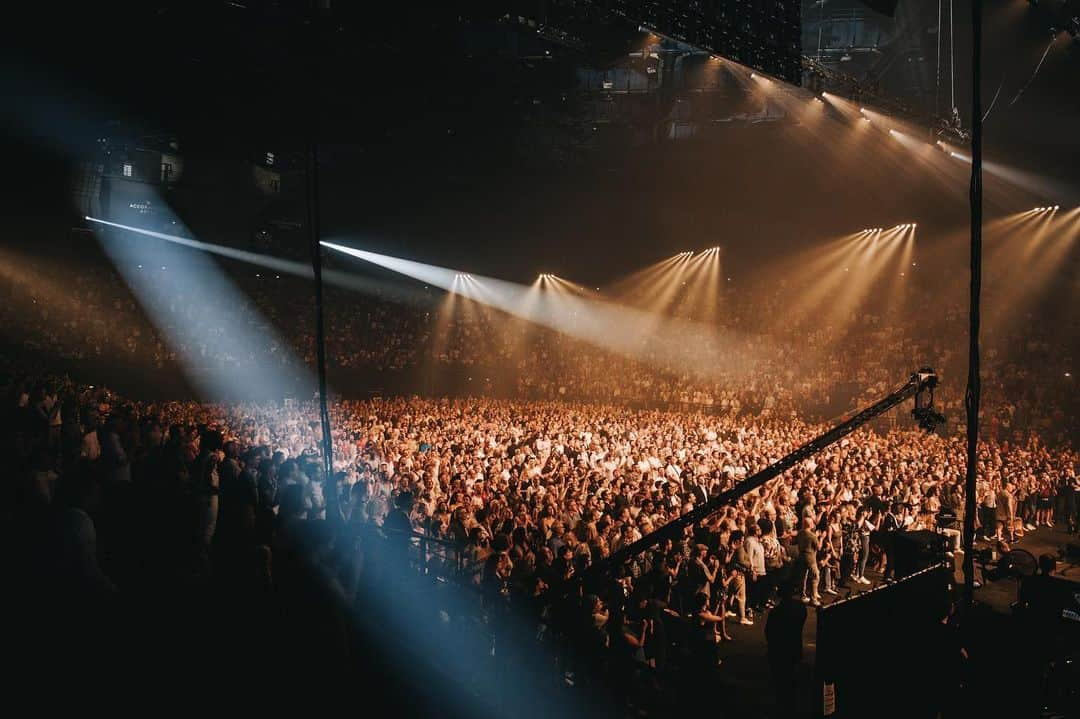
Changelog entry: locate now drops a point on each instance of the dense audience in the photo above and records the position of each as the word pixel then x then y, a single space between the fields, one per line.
pixel 514 492
pixel 514 498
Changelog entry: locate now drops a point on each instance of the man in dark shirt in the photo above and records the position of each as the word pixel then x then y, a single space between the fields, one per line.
pixel 397 521
pixel 891 525
pixel 1069 491
pixel 698 489
pixel 806 568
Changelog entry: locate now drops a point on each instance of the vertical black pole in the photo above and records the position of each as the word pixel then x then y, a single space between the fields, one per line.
pixel 330 494
pixel 937 67
pixel 971 397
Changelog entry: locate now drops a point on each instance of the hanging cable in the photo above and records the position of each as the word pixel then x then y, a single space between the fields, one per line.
pixel 994 101
pixel 1037 68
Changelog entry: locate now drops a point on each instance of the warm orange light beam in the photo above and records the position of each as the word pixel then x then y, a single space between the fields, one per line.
pixel 629 287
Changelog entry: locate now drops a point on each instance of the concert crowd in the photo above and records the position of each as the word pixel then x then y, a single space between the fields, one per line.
pixel 513 499
pixel 223 513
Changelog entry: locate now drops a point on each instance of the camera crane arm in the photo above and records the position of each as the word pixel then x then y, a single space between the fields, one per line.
pixel 925 380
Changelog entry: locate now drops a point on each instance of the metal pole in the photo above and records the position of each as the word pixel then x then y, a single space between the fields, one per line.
pixel 952 62
pixel 971 397
pixel 821 23
pixel 332 508
pixel 937 65
pixel 320 338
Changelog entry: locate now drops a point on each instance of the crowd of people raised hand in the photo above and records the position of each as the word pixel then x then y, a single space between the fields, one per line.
pixel 124 498
pixel 562 453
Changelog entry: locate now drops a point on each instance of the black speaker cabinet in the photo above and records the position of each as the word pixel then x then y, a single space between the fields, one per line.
pixel 915 551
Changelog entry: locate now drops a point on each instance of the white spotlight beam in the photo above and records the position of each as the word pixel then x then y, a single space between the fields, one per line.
pixel 345 280
pixel 1037 185
pixel 271 263
pixel 186 296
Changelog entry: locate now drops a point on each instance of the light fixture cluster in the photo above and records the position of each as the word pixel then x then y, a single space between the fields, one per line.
pixel 1049 208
